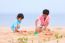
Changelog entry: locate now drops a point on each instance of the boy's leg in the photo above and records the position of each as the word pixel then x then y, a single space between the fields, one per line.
pixel 17 31
pixel 45 29
pixel 39 29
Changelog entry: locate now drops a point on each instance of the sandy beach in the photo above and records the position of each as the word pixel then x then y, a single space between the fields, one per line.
pixel 7 36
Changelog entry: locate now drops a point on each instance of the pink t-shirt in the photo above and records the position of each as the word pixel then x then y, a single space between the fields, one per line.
pixel 41 22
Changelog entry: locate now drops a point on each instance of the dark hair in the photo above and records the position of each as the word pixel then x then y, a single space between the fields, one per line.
pixel 20 15
pixel 46 11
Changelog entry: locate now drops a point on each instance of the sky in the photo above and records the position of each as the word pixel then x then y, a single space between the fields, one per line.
pixel 31 10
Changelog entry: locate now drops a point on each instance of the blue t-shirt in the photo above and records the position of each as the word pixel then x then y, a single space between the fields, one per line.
pixel 14 25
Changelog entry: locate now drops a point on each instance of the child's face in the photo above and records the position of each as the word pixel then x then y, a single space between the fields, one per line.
pixel 19 19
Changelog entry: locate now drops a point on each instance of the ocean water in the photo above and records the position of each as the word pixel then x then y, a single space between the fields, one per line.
pixel 8 19
pixel 29 20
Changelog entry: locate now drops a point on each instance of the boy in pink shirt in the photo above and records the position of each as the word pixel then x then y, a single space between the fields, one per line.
pixel 42 21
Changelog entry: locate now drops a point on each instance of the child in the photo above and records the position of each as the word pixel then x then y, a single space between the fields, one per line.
pixel 16 25
pixel 42 21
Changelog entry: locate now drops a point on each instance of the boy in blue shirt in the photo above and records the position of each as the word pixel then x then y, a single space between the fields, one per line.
pixel 16 25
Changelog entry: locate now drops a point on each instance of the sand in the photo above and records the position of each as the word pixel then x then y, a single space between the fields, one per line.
pixel 7 36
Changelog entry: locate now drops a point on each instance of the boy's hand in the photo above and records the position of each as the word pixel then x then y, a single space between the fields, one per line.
pixel 18 26
pixel 16 30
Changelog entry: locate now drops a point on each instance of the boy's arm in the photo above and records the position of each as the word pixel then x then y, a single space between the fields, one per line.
pixel 38 23
pixel 16 28
pixel 46 25
pixel 46 22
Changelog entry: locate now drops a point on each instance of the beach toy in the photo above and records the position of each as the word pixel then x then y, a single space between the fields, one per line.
pixel 36 33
